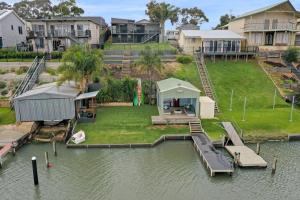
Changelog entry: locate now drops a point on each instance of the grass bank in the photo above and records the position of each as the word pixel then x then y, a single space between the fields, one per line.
pixel 249 80
pixel 125 125
pixel 7 116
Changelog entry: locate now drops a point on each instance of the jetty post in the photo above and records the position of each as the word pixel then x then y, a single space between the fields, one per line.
pixel 34 170
pixel 54 148
pixel 274 165
pixel 47 159
pixel 258 148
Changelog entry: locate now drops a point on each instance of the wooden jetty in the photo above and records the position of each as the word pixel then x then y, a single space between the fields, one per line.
pixel 215 161
pixel 13 136
pixel 244 156
pixel 4 150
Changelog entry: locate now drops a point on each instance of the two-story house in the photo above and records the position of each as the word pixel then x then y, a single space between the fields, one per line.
pixel 130 31
pixel 59 33
pixel 297 40
pixel 271 28
pixel 12 29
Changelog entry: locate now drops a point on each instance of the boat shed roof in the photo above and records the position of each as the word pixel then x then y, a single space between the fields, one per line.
pixel 67 89
pixel 87 95
pixel 173 83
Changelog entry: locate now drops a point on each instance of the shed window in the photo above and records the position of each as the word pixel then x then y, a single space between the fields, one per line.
pixel 12 27
pixel 20 30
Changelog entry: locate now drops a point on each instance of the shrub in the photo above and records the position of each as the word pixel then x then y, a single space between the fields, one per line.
pixel 22 70
pixel 2 84
pixel 4 92
pixel 291 55
pixel 51 71
pixel 184 59
pixel 115 90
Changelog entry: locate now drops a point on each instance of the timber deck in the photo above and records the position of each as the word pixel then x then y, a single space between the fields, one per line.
pixel 243 155
pixel 172 119
pixel 215 161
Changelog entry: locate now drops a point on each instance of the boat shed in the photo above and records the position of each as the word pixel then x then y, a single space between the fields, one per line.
pixel 177 97
pixel 48 102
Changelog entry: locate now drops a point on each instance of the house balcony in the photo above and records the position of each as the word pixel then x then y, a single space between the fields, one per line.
pixel 141 32
pixel 65 33
pixel 279 26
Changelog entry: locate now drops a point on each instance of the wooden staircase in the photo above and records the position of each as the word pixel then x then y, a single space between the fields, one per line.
pixel 126 68
pixel 195 128
pixel 206 83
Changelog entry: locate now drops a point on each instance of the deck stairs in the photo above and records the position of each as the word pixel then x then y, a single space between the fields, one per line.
pixel 205 80
pixel 149 38
pixel 126 62
pixel 30 78
pixel 195 128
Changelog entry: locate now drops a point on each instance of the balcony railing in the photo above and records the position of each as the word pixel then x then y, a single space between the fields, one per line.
pixel 134 32
pixel 232 49
pixel 280 26
pixel 60 33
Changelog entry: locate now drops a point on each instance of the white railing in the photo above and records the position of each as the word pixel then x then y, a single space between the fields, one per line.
pixel 270 26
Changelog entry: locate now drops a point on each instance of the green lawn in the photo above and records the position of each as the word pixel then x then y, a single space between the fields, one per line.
pixel 188 72
pixel 126 125
pixel 7 116
pixel 249 80
pixel 139 47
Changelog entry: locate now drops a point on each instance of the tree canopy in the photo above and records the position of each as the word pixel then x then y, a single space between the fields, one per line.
pixel 43 8
pixel 80 63
pixel 225 19
pixel 192 16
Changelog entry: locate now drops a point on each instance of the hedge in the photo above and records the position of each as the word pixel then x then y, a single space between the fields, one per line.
pixel 12 54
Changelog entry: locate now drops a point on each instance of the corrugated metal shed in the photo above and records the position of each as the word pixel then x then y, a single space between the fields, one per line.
pixel 48 102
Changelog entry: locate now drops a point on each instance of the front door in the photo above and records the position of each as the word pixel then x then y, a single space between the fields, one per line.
pixel 269 38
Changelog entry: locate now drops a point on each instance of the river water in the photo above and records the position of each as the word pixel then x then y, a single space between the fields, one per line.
pixel 169 171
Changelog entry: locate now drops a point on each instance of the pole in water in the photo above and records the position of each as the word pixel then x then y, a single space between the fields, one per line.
pixel 47 159
pixel 231 98
pixel 244 113
pixel 292 109
pixel 34 170
pixel 274 99
pixel 274 165
pixel 54 148
pixel 257 148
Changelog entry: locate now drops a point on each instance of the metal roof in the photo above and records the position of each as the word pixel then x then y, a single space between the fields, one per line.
pixel 97 20
pixel 173 83
pixel 67 89
pixel 211 34
pixel 87 95
pixel 264 9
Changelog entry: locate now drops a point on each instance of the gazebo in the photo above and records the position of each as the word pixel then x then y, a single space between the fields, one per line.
pixel 177 97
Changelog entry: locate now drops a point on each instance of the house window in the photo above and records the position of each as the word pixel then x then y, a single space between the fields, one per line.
pixel 1 42
pixel 12 27
pixel 39 42
pixel 20 30
pixel 193 40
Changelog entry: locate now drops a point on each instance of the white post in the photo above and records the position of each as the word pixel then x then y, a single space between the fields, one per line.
pixel 292 109
pixel 245 104
pixel 274 99
pixel 231 98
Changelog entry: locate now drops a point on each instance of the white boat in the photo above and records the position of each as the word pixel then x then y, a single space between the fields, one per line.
pixel 78 137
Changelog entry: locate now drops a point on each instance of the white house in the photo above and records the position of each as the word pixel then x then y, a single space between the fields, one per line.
pixel 209 41
pixel 12 29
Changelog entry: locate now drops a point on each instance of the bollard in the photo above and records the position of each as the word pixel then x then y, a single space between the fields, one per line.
pixel 54 148
pixel 274 165
pixel 47 159
pixel 34 170
pixel 258 148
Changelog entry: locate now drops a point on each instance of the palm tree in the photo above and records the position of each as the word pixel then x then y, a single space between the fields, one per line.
pixel 80 63
pixel 161 12
pixel 150 63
